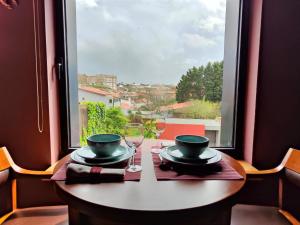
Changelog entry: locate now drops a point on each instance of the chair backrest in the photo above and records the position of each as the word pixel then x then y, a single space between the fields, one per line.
pixel 290 186
pixel 293 160
pixel 4 167
pixel 4 162
pixel 5 184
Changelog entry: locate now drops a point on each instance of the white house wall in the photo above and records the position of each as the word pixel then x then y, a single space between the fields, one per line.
pixel 85 96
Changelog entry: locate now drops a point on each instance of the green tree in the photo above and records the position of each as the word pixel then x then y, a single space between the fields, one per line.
pixel 182 89
pixel 213 81
pixel 115 121
pixel 191 85
pixel 204 82
pixel 150 128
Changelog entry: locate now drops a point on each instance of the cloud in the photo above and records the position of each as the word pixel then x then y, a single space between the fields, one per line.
pixel 112 18
pixel 149 41
pixel 87 3
pixel 211 24
pixel 197 41
pixel 213 5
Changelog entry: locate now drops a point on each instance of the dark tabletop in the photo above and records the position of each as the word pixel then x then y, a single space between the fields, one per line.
pixel 150 194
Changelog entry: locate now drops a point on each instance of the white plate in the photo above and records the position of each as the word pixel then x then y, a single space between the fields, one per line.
pixel 75 157
pixel 87 153
pixel 164 154
pixel 175 152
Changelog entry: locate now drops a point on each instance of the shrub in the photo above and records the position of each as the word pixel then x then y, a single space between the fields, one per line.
pixel 102 120
pixel 200 109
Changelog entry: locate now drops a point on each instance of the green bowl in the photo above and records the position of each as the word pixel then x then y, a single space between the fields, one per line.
pixel 191 146
pixel 104 144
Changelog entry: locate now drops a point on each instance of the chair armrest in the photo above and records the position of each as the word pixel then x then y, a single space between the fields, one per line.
pixel 251 170
pixel 4 217
pixel 19 170
pixel 289 217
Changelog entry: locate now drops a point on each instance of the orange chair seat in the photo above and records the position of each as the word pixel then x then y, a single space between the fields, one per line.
pixel 254 214
pixel 46 215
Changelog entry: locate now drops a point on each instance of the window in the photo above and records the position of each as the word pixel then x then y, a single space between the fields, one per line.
pixel 143 57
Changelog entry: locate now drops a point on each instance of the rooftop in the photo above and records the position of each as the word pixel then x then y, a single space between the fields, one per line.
pixel 176 106
pixel 98 91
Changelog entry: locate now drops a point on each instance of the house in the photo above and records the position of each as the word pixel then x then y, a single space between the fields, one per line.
pixel 175 106
pixel 91 94
pixel 126 106
pixel 109 81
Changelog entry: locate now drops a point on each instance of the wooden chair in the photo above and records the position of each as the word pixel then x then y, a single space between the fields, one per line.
pixel 11 214
pixel 286 178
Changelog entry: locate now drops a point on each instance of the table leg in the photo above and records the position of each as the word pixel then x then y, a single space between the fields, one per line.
pixel 211 217
pixel 214 216
pixel 76 218
pixel 225 217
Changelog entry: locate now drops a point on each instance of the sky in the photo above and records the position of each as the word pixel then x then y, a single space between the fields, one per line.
pixel 148 41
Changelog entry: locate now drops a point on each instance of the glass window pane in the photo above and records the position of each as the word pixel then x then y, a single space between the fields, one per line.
pixel 157 62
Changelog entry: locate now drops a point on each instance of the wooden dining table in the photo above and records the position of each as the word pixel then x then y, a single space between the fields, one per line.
pixel 152 202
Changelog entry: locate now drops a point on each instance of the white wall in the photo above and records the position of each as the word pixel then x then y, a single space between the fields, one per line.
pixel 84 96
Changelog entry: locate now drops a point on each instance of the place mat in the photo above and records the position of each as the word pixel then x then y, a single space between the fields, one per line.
pixel 60 174
pixel 218 171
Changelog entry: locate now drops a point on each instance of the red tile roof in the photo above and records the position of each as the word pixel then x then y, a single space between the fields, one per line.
pixel 125 105
pixel 143 100
pixel 98 91
pixel 176 106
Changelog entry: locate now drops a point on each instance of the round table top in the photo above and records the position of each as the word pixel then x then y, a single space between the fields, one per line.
pixel 151 195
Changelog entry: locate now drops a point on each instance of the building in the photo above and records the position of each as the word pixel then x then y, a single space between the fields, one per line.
pixel 91 94
pixel 175 106
pixel 126 106
pixel 203 127
pixel 109 81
